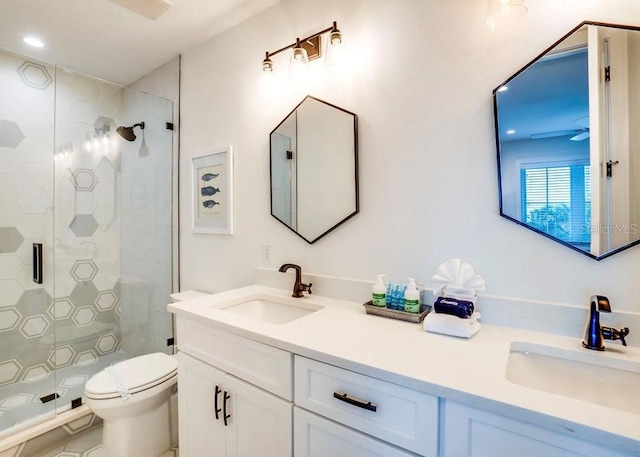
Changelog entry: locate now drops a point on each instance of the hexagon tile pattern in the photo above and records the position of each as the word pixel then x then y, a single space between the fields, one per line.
pixel 84 270
pixel 84 179
pixel 106 300
pixel 60 309
pixel 35 75
pixel 10 239
pixel 83 225
pixel 10 134
pixel 61 356
pixel 34 326
pixel 84 316
pixel 9 318
pixel 9 371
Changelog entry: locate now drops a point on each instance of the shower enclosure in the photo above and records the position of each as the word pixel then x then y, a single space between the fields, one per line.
pixel 85 233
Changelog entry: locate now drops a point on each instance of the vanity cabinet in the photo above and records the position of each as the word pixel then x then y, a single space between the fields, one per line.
pixel 473 432
pixel 221 415
pixel 234 398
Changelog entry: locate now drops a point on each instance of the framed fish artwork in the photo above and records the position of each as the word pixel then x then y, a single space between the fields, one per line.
pixel 212 189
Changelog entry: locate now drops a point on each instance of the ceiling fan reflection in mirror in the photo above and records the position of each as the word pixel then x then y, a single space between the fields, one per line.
pixel 578 134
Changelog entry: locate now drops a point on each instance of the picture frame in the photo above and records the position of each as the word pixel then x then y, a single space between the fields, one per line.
pixel 212 192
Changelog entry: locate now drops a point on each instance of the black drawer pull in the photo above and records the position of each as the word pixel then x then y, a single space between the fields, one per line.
pixel 225 416
pixel 215 406
pixel 355 402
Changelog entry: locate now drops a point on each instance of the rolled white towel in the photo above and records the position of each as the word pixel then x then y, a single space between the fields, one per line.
pixel 452 325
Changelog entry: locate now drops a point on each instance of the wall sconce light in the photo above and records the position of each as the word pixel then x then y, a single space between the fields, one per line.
pixel 63 151
pixel 100 137
pixel 501 11
pixel 306 49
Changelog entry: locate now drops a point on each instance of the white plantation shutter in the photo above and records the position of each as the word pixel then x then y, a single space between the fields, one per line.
pixel 557 200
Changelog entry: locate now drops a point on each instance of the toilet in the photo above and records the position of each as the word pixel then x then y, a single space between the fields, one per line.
pixel 138 402
pixel 132 398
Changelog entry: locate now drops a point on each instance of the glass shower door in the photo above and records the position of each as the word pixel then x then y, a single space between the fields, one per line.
pixel 112 226
pixel 28 354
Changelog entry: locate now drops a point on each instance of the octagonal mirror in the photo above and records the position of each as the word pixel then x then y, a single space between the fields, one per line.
pixel 568 148
pixel 314 168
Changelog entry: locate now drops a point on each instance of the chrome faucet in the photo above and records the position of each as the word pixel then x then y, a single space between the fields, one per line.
pixel 298 286
pixel 595 334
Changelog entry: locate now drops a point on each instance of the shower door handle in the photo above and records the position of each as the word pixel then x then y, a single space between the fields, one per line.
pixel 37 263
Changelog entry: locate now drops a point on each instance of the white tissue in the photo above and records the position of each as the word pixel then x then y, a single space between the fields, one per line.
pixel 457 279
pixel 452 325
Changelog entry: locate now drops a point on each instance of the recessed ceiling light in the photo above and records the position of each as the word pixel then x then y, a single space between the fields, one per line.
pixel 503 88
pixel 33 41
pixel 510 132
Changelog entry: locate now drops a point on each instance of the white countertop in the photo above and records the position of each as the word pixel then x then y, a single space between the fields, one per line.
pixel 468 371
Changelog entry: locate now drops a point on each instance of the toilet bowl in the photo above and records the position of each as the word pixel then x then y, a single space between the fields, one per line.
pixel 132 398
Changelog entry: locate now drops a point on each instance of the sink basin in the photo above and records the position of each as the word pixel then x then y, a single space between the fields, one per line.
pixel 272 310
pixel 581 374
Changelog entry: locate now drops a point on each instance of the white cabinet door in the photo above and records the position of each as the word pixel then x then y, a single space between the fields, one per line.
pixel 315 436
pixel 201 434
pixel 470 432
pixel 260 424
pixel 223 416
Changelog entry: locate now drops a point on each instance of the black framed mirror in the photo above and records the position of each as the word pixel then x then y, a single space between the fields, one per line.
pixel 314 168
pixel 567 142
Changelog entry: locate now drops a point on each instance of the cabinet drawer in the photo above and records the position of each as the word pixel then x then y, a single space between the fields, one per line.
pixel 470 431
pixel 317 437
pixel 261 365
pixel 402 416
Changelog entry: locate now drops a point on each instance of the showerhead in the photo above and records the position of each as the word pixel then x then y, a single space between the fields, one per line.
pixel 127 132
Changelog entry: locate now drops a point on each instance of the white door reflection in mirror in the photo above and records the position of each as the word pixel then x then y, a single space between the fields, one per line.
pixel 566 142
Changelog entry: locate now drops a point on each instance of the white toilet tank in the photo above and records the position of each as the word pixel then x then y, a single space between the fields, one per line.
pixel 186 295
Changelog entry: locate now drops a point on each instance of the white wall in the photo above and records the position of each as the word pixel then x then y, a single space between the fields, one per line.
pixel 420 77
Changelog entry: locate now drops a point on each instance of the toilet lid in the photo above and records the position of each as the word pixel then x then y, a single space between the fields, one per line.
pixel 136 374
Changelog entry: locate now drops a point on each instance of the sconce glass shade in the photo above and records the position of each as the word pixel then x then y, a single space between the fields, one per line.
pixel 501 12
pixel 335 38
pixel 299 54
pixel 267 63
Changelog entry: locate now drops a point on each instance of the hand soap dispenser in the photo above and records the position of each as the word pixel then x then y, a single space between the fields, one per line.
pixel 379 293
pixel 412 298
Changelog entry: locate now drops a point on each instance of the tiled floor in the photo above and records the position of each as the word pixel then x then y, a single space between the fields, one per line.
pixel 20 401
pixel 89 445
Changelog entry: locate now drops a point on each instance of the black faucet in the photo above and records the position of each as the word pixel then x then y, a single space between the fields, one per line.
pixel 595 334
pixel 298 286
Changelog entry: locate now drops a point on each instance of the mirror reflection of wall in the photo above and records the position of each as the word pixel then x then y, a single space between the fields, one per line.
pixel 559 121
pixel 314 169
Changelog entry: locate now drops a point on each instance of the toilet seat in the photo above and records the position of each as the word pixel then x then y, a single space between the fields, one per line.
pixel 133 375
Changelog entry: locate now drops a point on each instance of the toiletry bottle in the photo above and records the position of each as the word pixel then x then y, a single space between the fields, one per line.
pixel 412 298
pixel 379 293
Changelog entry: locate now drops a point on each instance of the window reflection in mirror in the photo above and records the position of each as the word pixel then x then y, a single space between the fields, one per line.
pixel 314 178
pixel 559 121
